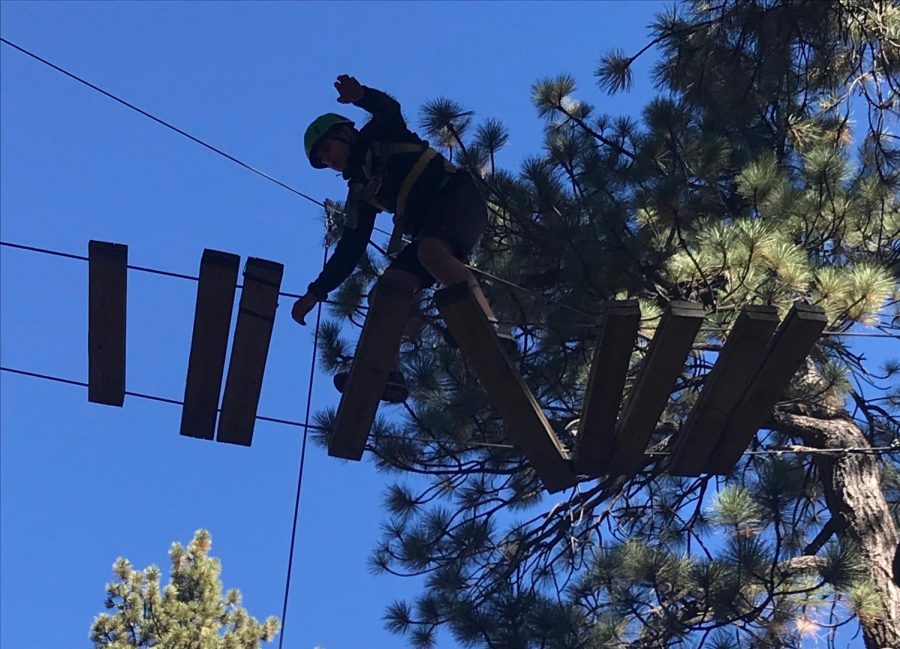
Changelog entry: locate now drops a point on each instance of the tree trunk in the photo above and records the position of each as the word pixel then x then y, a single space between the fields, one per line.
pixel 858 507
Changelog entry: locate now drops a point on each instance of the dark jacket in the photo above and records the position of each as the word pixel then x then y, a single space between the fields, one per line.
pixel 386 126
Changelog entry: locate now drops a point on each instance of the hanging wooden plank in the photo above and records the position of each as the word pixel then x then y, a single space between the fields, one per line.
pixel 107 294
pixel 648 397
pixel 618 325
pixel 793 341
pixel 252 335
pixel 209 343
pixel 376 355
pixel 522 413
pixel 737 364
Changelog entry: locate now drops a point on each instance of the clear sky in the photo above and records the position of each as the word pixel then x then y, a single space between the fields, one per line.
pixel 84 483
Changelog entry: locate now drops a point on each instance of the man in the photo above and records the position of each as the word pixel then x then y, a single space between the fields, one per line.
pixel 389 169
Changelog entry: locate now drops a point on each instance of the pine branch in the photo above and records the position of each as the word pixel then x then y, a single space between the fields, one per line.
pixel 828 530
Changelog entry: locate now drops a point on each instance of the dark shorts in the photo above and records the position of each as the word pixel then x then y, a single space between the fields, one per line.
pixel 458 215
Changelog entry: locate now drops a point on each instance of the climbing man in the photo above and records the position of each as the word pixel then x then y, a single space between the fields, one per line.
pixel 388 168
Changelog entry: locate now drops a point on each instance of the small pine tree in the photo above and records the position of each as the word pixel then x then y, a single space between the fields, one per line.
pixel 189 613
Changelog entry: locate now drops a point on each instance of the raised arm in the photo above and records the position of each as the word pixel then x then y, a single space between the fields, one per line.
pixel 382 106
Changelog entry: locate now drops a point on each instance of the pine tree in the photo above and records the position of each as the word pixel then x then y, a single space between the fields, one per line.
pixel 189 613
pixel 765 172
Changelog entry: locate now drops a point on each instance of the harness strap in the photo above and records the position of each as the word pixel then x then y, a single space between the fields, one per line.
pixel 396 241
pixel 411 178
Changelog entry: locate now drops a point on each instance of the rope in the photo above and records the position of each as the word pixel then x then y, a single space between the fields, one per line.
pixel 219 151
pixel 275 420
pixel 312 370
pixel 161 121
pixel 166 273
pixel 775 450
pixel 151 397
pixel 285 185
pixel 141 269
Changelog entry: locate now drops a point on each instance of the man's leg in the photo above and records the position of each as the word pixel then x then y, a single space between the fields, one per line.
pixel 436 255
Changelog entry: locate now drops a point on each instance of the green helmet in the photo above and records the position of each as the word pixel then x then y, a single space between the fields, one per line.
pixel 318 130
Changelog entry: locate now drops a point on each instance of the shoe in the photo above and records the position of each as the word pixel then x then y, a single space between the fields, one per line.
pixel 340 380
pixel 395 390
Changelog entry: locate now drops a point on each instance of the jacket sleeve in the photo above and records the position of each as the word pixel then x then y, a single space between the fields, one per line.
pixel 383 107
pixel 347 253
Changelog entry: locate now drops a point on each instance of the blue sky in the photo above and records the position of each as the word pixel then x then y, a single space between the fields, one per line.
pixel 83 483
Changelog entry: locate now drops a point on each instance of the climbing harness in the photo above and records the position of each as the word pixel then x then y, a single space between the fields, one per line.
pixel 368 192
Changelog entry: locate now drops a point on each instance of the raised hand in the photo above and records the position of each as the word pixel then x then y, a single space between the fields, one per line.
pixel 349 89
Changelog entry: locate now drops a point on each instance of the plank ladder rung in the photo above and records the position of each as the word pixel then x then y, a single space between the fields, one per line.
pixel 249 351
pixel 209 343
pixel 648 397
pixel 376 353
pixel 791 344
pixel 618 324
pixel 107 295
pixel 522 413
pixel 726 384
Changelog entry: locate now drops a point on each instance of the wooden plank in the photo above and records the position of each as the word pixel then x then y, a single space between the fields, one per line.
pixel 107 294
pixel 737 364
pixel 648 397
pixel 252 335
pixel 209 343
pixel 522 413
pixel 376 355
pixel 793 341
pixel 618 324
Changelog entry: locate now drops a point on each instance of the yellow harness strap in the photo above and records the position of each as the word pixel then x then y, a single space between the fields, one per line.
pixel 403 194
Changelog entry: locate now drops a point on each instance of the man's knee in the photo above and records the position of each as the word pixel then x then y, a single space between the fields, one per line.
pixel 433 249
